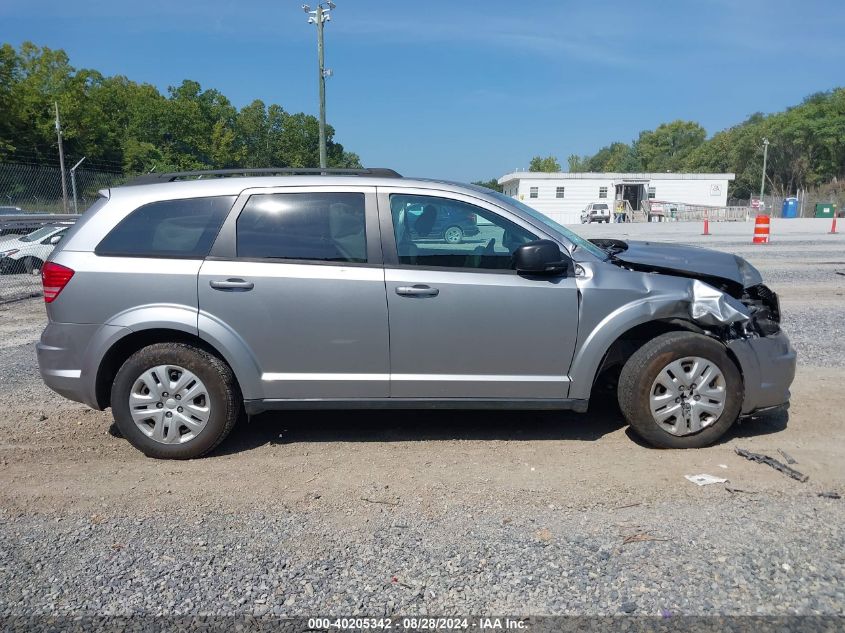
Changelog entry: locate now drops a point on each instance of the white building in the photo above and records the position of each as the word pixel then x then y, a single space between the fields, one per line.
pixel 562 196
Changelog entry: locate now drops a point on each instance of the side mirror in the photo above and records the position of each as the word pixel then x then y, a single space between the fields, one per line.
pixel 55 239
pixel 542 257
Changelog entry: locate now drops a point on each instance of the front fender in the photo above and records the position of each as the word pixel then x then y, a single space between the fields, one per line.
pixel 615 300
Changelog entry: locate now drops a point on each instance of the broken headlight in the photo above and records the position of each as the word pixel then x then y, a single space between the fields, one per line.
pixel 764 306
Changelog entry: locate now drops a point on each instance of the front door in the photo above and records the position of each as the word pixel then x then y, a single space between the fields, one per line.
pixel 463 324
pixel 296 278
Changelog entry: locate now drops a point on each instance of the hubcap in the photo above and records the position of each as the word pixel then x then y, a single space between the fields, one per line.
pixel 688 395
pixel 169 404
pixel 453 235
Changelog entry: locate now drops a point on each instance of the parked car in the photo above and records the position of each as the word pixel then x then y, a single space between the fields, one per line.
pixel 188 304
pixel 26 254
pixel 441 222
pixel 11 228
pixel 595 212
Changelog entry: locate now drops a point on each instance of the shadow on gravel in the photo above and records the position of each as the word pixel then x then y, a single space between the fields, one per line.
pixel 421 426
pixel 764 424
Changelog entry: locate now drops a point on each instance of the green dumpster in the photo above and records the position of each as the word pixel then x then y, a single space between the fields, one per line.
pixel 825 209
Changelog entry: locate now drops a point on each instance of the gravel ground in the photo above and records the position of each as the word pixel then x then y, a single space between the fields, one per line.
pixel 432 512
pixel 484 559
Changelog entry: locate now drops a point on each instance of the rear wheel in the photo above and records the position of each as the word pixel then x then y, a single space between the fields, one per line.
pixel 175 401
pixel 453 235
pixel 680 390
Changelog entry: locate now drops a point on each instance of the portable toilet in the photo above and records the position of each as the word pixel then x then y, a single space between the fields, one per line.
pixel 790 208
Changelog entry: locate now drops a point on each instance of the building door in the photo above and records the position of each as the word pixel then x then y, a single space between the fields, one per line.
pixel 633 194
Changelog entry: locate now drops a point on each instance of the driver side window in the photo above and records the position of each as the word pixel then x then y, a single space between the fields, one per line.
pixel 439 232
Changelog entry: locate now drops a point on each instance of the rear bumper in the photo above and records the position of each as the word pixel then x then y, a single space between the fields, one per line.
pixel 768 368
pixel 69 355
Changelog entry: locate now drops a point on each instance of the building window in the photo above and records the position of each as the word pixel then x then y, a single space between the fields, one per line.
pixel 652 193
pixel 559 192
pixel 602 192
pixel 534 192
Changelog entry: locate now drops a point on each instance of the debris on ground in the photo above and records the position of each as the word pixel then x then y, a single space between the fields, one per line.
pixel 771 461
pixel 382 501
pixel 704 479
pixel 789 459
pixel 830 495
pixel 732 489
pixel 640 537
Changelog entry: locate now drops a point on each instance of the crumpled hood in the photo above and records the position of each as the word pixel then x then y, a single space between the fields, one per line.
pixel 690 261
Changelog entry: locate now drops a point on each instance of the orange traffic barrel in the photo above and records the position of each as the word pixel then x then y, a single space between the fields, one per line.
pixel 761 230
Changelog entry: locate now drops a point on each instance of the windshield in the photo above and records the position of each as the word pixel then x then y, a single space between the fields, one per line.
pixel 600 206
pixel 576 239
pixel 40 234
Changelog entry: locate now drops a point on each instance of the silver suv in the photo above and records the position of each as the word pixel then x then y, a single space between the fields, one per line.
pixel 188 301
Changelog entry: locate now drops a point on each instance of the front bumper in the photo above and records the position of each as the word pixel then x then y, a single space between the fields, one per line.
pixel 768 368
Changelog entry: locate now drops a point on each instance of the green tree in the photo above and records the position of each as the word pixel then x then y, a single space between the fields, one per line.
pixel 493 184
pixel 666 148
pixel 547 164
pixel 116 121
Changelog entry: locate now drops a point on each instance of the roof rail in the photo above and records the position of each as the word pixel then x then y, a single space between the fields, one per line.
pixel 153 178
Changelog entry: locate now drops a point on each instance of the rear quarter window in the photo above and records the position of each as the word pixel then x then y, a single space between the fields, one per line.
pixel 168 228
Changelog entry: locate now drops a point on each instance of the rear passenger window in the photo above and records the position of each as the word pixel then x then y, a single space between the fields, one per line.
pixel 328 227
pixel 170 228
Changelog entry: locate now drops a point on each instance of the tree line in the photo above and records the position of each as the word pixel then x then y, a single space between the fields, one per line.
pixel 806 149
pixel 123 125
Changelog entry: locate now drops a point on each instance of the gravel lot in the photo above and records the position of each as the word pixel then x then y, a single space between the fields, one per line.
pixel 443 513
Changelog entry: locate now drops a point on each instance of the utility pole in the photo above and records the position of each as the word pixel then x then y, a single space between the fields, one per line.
pixel 765 156
pixel 73 182
pixel 320 16
pixel 61 158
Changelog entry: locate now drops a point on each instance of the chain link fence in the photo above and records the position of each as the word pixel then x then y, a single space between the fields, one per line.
pixel 38 188
pixel 33 219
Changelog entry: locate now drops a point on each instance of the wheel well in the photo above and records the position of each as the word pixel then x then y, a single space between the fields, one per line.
pixel 128 345
pixel 630 341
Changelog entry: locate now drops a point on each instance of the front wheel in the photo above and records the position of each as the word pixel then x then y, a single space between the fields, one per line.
pixel 680 390
pixel 453 235
pixel 175 401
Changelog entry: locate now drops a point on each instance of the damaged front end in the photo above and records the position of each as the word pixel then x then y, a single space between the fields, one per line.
pixel 713 293
pixel 727 292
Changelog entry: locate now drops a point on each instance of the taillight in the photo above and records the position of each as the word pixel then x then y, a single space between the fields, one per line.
pixel 54 278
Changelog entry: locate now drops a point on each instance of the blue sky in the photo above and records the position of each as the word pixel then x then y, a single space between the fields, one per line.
pixel 466 90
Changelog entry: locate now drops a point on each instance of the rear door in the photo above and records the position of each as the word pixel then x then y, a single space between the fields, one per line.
pixel 296 275
pixel 463 323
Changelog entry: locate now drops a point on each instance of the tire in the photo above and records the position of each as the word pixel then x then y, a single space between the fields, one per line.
pixel 453 235
pixel 638 384
pixel 219 395
pixel 32 266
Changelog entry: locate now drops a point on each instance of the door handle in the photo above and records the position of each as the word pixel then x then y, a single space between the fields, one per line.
pixel 418 290
pixel 231 284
